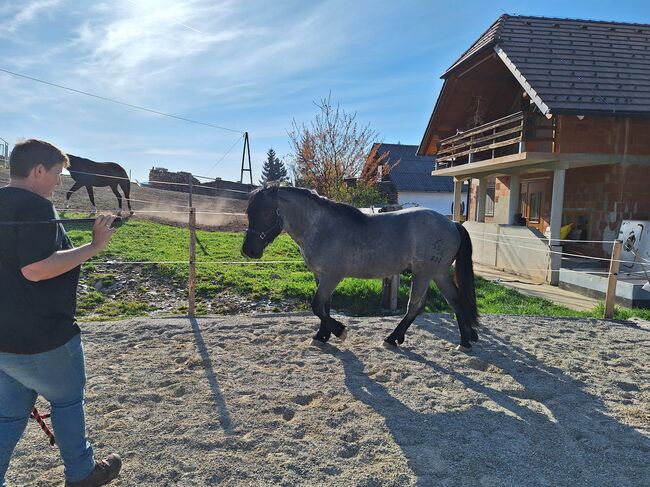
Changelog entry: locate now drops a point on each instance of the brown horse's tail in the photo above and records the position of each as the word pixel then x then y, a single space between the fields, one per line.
pixel 464 276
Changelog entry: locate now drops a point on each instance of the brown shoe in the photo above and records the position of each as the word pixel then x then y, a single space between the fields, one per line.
pixel 105 471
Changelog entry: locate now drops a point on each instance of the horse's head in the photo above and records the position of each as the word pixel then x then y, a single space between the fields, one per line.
pixel 264 220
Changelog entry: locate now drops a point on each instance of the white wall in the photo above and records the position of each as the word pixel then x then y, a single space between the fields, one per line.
pixel 440 202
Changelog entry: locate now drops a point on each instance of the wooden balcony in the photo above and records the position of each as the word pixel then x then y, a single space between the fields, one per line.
pixel 505 136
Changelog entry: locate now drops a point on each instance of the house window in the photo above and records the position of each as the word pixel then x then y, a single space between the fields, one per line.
pixel 489 197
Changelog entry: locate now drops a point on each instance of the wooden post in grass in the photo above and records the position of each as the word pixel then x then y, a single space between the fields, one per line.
pixel 614 265
pixel 390 288
pixel 191 285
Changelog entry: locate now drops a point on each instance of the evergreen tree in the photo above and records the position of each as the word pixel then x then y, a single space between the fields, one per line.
pixel 273 169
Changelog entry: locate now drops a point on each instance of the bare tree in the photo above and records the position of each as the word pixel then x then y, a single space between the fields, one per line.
pixel 330 148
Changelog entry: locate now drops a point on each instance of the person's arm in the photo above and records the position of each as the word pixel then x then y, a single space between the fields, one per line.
pixel 65 260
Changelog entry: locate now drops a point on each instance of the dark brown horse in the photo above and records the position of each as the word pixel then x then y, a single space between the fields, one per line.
pixel 98 174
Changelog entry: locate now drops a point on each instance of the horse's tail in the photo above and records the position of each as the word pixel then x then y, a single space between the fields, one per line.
pixel 464 276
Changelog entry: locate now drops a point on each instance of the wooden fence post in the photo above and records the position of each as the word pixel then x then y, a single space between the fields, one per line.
pixel 191 285
pixel 614 265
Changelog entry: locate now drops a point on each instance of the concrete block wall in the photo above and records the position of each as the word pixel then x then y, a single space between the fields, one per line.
pixel 518 250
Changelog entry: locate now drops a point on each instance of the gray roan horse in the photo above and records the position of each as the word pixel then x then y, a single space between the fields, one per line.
pixel 338 240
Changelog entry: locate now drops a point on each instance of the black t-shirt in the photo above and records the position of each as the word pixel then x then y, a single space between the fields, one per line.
pixel 39 316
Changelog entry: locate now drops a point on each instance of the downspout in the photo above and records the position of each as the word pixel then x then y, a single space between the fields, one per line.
pixel 469 190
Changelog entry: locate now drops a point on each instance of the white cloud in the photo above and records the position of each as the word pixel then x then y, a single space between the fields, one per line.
pixel 24 14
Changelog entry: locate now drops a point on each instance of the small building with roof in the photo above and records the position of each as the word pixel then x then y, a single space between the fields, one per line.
pixel 407 177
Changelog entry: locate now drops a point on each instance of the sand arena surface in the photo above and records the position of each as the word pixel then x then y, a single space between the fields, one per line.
pixel 246 401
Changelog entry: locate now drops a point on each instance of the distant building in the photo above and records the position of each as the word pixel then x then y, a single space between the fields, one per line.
pixel 162 178
pixel 4 152
pixel 407 177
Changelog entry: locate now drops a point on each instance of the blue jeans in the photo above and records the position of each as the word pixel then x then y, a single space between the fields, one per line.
pixel 59 376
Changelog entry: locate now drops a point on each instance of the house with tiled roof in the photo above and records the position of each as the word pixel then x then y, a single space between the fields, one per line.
pixel 408 177
pixel 549 120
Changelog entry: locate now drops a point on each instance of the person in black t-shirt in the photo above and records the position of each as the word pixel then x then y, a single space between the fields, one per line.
pixel 40 342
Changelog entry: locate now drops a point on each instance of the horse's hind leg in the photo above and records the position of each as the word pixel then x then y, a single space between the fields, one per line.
pixel 321 307
pixel 126 189
pixel 91 195
pixel 118 196
pixel 450 292
pixel 74 188
pixel 419 288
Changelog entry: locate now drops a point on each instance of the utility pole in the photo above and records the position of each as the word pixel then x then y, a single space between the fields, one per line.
pixel 247 148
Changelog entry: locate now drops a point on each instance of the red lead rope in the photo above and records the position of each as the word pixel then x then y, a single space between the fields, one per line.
pixel 40 420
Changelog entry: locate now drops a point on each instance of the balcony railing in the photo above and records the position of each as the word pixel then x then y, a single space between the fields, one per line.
pixel 499 137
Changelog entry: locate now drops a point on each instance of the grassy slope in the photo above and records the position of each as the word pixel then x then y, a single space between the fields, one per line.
pixel 146 241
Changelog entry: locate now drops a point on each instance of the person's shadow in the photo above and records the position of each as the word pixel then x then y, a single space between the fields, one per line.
pixel 550 433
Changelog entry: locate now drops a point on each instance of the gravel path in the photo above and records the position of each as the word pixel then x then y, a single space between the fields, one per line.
pixel 247 401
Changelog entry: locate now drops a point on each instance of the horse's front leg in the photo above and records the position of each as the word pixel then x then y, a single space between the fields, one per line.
pixel 321 308
pixel 91 196
pixel 74 188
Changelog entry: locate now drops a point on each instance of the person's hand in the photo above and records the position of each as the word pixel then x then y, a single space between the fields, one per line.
pixel 102 231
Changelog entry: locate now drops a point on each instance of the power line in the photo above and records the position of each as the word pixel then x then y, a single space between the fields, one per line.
pixel 130 105
pixel 224 156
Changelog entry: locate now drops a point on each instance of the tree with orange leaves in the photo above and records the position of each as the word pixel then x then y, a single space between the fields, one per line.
pixel 331 149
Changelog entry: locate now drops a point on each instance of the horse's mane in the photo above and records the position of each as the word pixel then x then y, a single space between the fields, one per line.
pixel 346 210
pixel 81 160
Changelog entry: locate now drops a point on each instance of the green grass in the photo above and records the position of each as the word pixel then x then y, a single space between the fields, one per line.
pixel 138 241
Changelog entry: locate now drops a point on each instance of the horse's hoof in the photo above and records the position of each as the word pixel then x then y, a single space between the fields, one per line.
pixel 338 329
pixel 343 335
pixel 461 348
pixel 317 343
pixel 389 344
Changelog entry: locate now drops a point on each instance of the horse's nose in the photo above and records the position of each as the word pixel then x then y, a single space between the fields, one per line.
pixel 246 251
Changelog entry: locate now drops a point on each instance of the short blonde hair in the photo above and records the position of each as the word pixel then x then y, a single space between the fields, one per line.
pixel 26 155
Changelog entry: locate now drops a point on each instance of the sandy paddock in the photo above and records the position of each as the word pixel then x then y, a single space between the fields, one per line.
pixel 245 400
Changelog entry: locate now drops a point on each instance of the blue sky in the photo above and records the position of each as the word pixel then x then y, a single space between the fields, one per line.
pixel 250 66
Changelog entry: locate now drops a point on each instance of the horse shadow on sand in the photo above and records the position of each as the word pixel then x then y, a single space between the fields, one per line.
pixel 547 432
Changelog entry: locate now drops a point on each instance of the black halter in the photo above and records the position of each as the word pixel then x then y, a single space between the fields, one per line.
pixel 262 235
